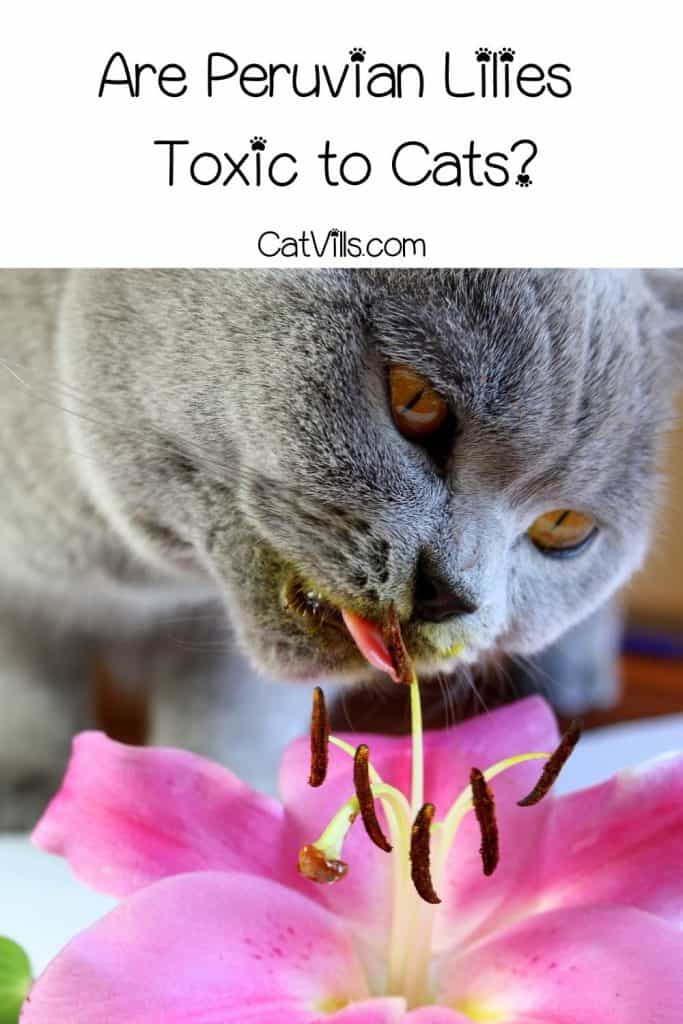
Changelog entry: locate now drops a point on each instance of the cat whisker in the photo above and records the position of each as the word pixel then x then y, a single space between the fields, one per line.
pixel 198 645
pixel 449 697
pixel 498 665
pixel 346 711
pixel 196 450
pixel 217 616
pixel 539 677
pixel 469 679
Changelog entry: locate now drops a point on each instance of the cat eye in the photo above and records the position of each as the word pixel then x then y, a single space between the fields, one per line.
pixel 417 409
pixel 562 532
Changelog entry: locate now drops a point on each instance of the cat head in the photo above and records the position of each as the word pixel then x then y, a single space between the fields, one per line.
pixel 295 478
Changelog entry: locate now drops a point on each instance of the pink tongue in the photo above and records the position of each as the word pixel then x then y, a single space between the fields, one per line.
pixel 369 640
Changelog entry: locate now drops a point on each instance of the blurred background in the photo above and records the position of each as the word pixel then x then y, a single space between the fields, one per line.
pixel 652 660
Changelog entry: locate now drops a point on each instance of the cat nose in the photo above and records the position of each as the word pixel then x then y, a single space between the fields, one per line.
pixel 435 598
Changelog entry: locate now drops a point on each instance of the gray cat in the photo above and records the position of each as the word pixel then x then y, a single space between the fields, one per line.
pixel 173 443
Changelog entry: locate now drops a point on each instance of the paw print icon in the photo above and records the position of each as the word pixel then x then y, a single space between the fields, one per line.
pixel 258 143
pixel 506 54
pixel 524 180
pixel 483 54
pixel 357 54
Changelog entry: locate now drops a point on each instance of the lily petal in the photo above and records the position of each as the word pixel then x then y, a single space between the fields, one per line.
pixel 519 728
pixel 208 947
pixel 473 903
pixel 619 842
pixel 127 816
pixel 616 965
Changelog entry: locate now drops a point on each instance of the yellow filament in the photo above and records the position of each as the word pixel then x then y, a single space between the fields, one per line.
pixel 332 839
pixel 351 751
pixel 417 784
pixel 399 821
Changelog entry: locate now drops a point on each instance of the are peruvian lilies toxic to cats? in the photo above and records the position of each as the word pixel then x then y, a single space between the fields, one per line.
pixel 532 909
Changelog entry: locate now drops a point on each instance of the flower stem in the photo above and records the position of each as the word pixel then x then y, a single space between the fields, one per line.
pixel 419 923
pixel 417 785
pixel 398 826
pixel 375 777
pixel 409 961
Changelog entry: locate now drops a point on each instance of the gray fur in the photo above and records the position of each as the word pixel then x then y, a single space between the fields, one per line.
pixel 172 439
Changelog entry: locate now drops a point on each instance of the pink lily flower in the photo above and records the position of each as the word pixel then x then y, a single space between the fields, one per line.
pixel 579 924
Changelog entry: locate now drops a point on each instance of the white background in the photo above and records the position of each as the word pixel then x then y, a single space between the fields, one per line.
pixel 82 184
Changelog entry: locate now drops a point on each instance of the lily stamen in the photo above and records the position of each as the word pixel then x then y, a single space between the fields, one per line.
pixel 485 811
pixel 420 870
pixel 397 649
pixel 321 861
pixel 554 766
pixel 327 849
pixel 366 801
pixel 314 865
pixel 320 737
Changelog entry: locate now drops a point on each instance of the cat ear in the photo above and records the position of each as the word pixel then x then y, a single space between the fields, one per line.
pixel 667 287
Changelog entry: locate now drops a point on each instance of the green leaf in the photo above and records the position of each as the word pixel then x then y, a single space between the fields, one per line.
pixel 15 980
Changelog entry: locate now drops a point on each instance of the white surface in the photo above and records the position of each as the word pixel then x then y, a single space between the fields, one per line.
pixel 42 906
pixel 602 752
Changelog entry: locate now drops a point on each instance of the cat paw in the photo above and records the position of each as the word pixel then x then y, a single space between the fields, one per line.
pixel 258 143
pixel 524 180
pixel 357 55
pixel 506 54
pixel 483 54
pixel 334 232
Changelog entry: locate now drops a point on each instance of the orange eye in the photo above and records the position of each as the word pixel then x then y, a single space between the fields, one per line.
pixel 561 531
pixel 417 409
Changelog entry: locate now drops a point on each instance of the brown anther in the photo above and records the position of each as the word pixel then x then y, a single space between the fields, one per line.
pixel 366 801
pixel 554 765
pixel 320 739
pixel 397 649
pixel 315 865
pixel 420 871
pixel 485 810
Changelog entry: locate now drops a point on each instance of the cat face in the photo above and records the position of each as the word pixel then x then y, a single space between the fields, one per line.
pixel 300 492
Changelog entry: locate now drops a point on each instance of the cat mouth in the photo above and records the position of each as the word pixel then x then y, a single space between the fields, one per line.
pixel 306 603
pixel 317 613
